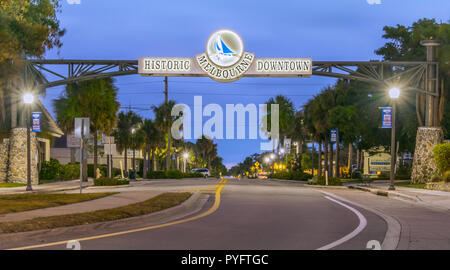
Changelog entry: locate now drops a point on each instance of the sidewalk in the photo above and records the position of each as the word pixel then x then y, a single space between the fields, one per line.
pixel 116 200
pixel 50 187
pixel 433 198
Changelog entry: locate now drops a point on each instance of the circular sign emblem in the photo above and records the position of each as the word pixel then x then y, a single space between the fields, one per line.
pixel 224 48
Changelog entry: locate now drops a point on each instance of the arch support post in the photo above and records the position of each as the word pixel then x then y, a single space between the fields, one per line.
pixel 424 165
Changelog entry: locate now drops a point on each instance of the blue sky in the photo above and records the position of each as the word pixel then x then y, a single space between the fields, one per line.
pixel 320 29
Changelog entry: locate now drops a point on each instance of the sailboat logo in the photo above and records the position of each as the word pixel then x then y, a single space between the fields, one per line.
pixel 225 48
pixel 222 48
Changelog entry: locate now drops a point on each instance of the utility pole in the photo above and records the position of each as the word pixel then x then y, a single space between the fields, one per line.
pixel 166 90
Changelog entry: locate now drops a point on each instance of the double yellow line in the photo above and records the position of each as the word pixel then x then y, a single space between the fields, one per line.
pixel 204 214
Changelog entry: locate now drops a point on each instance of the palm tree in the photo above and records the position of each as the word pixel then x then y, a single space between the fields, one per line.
pixel 96 99
pixel 207 148
pixel 122 134
pixel 153 138
pixel 164 120
pixel 286 115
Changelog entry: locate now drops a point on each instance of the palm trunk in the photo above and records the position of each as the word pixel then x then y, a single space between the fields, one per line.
pixel 125 161
pixel 337 159
pixel 319 159
pixel 331 174
pixel 325 149
pixel 350 157
pixel 145 163
pixel 95 153
pixel 168 157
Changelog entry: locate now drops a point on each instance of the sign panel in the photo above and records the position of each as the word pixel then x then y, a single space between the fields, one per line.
pixel 113 149
pixel 73 141
pixel 287 146
pixel 333 135
pixel 225 60
pixel 36 121
pixel 380 162
pixel 386 117
pixel 79 121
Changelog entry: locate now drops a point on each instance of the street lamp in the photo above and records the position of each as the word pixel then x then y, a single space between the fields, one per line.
pixel 186 156
pixel 28 99
pixel 394 93
pixel 133 131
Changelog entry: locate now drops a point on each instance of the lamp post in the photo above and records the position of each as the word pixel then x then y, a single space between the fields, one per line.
pixel 133 131
pixel 394 93
pixel 186 156
pixel 28 99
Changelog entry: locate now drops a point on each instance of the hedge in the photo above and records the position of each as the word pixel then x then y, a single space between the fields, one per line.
pixel 441 154
pixel 294 175
pixel 173 174
pixel 105 181
pixel 53 170
pixel 332 181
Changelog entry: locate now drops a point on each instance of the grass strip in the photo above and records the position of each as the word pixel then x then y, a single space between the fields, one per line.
pixel 408 184
pixel 11 185
pixel 30 201
pixel 160 202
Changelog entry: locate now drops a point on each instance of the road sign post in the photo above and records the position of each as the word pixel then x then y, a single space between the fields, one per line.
pixel 81 131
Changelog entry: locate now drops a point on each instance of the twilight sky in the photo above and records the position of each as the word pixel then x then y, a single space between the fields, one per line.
pixel 320 29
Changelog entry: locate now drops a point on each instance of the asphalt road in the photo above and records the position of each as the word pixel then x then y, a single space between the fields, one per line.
pixel 252 215
pixel 260 215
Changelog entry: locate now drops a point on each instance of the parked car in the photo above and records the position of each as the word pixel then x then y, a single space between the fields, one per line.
pixel 203 171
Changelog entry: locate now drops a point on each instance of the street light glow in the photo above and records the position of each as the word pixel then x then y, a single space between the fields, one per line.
pixel 28 98
pixel 394 92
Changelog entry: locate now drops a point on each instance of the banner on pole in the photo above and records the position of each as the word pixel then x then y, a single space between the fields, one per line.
pixel 386 117
pixel 333 135
pixel 36 122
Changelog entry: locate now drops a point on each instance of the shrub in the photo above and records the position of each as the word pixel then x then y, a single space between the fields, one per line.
pixel 294 175
pixel 156 175
pixel 436 178
pixel 192 175
pixel 174 174
pixel 105 181
pixel 441 154
pixel 332 181
pixel 446 177
pixel 49 169
pixel 69 172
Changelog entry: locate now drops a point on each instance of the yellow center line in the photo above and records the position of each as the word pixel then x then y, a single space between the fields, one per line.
pixel 204 214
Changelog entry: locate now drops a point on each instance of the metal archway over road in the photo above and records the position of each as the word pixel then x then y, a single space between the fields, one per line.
pixel 225 60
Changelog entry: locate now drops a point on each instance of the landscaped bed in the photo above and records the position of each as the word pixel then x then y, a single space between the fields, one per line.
pixel 24 202
pixel 158 203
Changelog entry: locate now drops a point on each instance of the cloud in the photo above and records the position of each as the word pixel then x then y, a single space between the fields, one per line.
pixel 372 2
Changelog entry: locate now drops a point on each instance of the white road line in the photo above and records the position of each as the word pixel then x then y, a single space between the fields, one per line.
pixel 394 228
pixel 361 226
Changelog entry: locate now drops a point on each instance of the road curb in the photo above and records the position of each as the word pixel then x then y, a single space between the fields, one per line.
pixel 188 207
pixel 394 228
pixel 385 193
